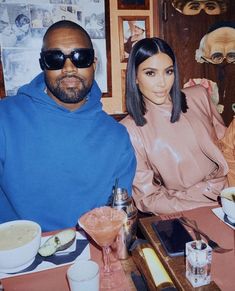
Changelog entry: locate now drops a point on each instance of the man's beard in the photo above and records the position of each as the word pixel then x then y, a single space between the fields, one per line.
pixel 71 95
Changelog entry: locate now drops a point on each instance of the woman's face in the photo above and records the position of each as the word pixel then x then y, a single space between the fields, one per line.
pixel 155 78
pixel 24 27
pixel 138 30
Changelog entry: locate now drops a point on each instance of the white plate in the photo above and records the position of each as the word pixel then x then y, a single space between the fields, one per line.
pixel 70 249
pixel 17 269
pixel 220 214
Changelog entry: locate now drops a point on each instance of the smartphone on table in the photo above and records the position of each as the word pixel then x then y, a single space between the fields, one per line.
pixel 172 235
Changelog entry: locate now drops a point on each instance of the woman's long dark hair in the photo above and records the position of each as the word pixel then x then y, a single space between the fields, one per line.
pixel 135 104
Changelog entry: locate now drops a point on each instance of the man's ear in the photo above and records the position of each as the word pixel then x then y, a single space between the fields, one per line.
pixel 95 63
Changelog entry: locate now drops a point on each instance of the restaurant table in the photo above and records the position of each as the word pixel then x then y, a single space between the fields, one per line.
pixel 223 265
pixel 55 279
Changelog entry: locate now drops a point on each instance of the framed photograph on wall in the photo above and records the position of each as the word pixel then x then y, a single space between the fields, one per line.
pixel 123 84
pixel 131 30
pixel 133 4
pixel 25 42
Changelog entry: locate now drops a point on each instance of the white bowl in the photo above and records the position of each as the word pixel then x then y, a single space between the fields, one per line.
pixel 19 244
pixel 228 204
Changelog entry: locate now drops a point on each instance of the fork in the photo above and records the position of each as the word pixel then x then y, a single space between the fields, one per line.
pixel 215 247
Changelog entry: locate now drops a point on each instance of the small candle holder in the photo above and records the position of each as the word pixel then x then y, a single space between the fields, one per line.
pixel 198 263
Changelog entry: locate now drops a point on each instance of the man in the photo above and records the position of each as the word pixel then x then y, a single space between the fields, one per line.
pixel 60 153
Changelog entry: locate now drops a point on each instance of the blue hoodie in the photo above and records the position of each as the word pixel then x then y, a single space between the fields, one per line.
pixel 56 164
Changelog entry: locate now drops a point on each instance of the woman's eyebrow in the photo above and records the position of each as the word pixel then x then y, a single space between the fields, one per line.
pixel 156 69
pixel 150 68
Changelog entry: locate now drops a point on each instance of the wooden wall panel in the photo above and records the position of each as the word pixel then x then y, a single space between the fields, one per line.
pixel 184 33
pixel 2 89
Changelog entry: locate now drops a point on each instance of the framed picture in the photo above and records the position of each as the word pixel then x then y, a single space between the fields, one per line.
pixel 133 4
pixel 108 92
pixel 123 84
pixel 131 30
pixel 23 43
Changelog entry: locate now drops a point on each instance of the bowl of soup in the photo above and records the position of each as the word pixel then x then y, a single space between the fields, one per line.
pixel 19 244
pixel 228 203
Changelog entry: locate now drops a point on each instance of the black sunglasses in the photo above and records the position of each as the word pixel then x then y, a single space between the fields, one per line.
pixel 55 59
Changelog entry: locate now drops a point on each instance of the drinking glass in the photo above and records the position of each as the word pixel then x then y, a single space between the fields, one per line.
pixel 198 263
pixel 83 276
pixel 103 225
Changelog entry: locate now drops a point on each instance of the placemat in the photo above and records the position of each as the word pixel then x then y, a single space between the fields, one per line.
pixel 55 279
pixel 81 251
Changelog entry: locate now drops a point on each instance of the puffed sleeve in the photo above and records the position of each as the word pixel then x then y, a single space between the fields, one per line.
pixel 201 102
pixel 217 120
pixel 228 148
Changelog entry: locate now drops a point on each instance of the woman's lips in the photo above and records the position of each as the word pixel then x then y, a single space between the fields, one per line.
pixel 160 94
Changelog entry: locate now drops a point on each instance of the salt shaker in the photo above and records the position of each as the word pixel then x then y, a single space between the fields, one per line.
pixel 198 263
pixel 127 234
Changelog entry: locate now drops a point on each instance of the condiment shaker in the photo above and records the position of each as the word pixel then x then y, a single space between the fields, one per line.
pixel 198 263
pixel 127 234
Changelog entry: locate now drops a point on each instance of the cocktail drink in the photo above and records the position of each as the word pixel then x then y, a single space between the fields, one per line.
pixel 103 225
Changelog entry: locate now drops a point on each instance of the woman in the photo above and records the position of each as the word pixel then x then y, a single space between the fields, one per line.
pixel 137 29
pixel 174 133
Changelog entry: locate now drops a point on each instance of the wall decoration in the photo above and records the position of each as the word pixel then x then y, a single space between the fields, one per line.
pixel 131 29
pixel 218 44
pixel 194 7
pixel 133 4
pixel 233 107
pixel 123 83
pixel 23 24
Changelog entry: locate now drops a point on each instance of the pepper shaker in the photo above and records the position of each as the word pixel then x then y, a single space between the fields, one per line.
pixel 127 234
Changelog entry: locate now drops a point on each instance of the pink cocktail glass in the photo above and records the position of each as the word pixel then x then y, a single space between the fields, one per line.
pixel 103 225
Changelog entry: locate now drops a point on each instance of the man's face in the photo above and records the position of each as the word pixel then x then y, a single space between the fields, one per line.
pixel 70 85
pixel 24 27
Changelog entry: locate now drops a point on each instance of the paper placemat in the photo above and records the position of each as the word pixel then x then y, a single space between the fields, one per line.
pixel 220 214
pixel 79 250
